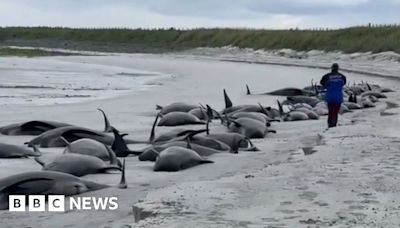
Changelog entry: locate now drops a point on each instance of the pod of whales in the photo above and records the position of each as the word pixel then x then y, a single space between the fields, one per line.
pixel 89 151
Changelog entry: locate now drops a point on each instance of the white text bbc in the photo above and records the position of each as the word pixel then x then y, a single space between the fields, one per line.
pixel 56 203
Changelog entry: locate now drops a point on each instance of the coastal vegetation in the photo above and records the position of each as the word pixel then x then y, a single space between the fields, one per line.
pixel 355 39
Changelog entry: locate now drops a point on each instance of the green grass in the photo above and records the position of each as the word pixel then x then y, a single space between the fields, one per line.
pixel 355 39
pixel 29 52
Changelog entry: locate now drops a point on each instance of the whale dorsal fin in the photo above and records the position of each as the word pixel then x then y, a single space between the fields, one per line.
pixel 107 125
pixel 228 102
pixel 248 90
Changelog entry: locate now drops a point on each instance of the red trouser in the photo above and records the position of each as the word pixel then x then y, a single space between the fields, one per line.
pixel 333 109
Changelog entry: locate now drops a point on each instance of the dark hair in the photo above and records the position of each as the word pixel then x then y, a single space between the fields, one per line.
pixel 335 67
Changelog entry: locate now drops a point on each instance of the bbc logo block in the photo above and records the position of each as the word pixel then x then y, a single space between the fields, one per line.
pixel 36 203
pixel 16 203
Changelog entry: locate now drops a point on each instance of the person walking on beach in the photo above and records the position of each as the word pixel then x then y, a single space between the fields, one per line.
pixel 333 83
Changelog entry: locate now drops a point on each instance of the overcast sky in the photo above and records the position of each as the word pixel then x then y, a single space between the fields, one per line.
pixel 198 13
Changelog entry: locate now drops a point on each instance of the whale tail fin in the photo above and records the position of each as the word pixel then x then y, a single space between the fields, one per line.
pixel 119 145
pixel 228 102
pixel 248 90
pixel 107 125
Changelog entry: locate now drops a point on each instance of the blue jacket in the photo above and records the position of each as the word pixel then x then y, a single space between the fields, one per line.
pixel 333 83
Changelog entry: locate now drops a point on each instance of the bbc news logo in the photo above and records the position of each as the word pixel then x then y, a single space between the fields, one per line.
pixel 56 203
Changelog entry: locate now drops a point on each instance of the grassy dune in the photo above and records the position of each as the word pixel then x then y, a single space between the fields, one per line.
pixel 355 39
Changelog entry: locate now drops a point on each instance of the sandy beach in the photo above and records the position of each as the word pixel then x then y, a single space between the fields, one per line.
pixel 350 179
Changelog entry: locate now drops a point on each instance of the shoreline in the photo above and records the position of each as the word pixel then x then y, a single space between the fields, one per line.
pixel 283 57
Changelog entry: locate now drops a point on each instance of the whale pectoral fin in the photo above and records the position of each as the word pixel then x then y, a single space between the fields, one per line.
pixel 40 161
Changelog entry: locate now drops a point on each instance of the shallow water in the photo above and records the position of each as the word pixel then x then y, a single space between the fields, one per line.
pixel 46 81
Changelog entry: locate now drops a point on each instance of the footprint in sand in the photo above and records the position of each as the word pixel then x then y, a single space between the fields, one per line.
pixel 308 195
pixel 269 219
pixel 303 210
pixel 321 203
pixel 302 188
pixel 292 217
pixel 367 201
pixel 356 207
pixel 284 211
pixel 323 182
pixel 286 203
pixel 359 216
